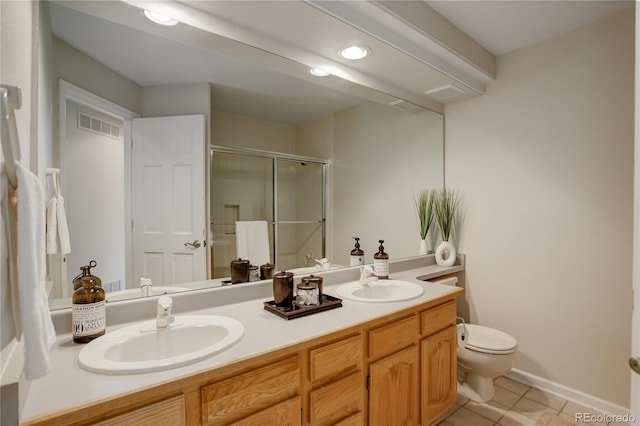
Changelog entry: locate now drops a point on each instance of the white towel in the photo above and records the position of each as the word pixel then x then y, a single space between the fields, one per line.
pixel 63 227
pixel 25 233
pixel 52 225
pixel 252 241
pixel 57 227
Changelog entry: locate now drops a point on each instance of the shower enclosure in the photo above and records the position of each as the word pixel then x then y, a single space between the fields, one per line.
pixel 286 191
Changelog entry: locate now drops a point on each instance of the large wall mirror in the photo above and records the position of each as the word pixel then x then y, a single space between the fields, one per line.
pixel 344 160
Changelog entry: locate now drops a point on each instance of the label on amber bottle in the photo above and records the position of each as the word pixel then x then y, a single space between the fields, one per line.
pixel 357 260
pixel 381 267
pixel 88 319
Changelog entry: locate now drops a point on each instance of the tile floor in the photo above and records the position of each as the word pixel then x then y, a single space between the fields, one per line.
pixel 516 404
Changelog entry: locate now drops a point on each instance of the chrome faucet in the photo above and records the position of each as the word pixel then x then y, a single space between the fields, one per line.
pixel 164 317
pixel 367 276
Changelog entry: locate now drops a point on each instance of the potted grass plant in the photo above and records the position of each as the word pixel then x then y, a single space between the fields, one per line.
pixel 424 207
pixel 446 202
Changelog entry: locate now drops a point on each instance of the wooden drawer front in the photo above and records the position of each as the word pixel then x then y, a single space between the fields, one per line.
pixel 392 337
pixel 337 400
pixel 287 413
pixel 355 420
pixel 169 412
pixel 435 319
pixel 337 357
pixel 248 393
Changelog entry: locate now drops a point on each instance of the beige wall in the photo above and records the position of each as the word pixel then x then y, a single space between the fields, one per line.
pixel 315 139
pixel 72 65
pixel 19 67
pixel 382 158
pixel 545 162
pixel 237 130
pixel 176 99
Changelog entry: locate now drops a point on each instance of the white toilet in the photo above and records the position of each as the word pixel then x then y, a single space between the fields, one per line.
pixel 488 353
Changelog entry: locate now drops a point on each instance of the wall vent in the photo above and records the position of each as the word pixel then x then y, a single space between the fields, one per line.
pixel 405 106
pixel 446 92
pixel 97 125
pixel 112 286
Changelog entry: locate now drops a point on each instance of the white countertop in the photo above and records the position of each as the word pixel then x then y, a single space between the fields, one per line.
pixel 67 385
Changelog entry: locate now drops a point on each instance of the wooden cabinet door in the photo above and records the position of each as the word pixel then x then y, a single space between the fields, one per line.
pixel 394 389
pixel 439 362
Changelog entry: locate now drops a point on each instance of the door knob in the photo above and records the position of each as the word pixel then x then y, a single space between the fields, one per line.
pixel 634 363
pixel 195 244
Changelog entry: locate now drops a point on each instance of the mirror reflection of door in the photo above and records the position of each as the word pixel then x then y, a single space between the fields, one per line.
pixel 168 199
pixel 244 187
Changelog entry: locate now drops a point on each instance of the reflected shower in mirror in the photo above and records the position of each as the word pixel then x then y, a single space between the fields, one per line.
pixel 285 191
pixel 371 152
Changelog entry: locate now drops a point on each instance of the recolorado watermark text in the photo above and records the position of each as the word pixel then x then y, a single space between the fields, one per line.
pixel 605 418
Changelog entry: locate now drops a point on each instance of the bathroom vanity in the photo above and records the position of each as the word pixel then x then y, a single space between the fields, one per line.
pixel 364 363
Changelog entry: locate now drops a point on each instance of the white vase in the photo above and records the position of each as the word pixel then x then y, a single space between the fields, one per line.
pixel 423 247
pixel 445 254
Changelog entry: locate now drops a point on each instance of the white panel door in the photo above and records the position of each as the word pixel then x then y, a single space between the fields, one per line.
pixel 168 199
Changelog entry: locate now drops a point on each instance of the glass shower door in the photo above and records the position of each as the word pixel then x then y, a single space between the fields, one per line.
pixel 241 189
pixel 299 213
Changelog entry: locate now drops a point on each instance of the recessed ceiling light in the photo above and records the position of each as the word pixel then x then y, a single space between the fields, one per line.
pixel 354 52
pixel 160 19
pixel 318 72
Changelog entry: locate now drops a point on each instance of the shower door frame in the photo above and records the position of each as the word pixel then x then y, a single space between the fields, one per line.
pixel 274 157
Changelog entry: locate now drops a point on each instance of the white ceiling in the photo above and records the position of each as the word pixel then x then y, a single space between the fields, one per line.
pixel 146 58
pixel 503 26
pixel 250 81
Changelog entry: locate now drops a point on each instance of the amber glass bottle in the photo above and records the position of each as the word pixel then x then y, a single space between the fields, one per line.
pixel 86 272
pixel 357 254
pixel 381 263
pixel 88 313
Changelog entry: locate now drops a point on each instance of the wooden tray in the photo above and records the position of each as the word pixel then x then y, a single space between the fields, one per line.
pixel 296 311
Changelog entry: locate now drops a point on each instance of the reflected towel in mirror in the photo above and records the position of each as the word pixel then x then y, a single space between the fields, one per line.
pixel 252 241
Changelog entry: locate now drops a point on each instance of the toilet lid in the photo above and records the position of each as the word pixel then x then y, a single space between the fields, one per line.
pixel 489 340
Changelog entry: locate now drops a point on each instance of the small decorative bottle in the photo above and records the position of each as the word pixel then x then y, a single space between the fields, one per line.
pixel 357 254
pixel 381 263
pixel 88 313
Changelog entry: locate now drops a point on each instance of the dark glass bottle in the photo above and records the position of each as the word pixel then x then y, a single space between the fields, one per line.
pixel 88 310
pixel 357 254
pixel 86 272
pixel 381 262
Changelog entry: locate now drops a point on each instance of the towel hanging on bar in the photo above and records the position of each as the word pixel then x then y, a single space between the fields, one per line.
pixel 57 227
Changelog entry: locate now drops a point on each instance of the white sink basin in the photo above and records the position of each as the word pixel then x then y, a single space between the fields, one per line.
pixel 136 292
pixel 141 348
pixel 380 291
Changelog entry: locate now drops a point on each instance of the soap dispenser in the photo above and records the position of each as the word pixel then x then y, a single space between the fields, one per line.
pixel 88 310
pixel 357 254
pixel 381 262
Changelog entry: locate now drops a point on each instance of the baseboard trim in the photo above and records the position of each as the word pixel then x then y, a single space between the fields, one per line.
pixel 570 394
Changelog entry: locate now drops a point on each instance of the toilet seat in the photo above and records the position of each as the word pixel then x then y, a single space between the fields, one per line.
pixel 489 340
